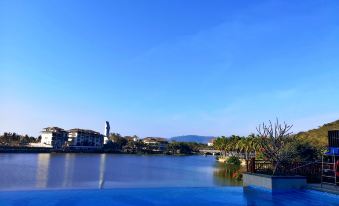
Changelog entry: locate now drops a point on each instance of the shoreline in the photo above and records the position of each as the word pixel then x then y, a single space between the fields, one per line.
pixel 23 149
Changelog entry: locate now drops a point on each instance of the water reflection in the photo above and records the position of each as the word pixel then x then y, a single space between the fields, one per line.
pixel 110 171
pixel 42 170
pixel 102 170
pixel 228 174
pixel 68 170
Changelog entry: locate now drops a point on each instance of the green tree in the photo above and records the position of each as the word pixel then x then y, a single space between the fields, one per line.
pixel 180 148
pixel 233 160
pixel 220 143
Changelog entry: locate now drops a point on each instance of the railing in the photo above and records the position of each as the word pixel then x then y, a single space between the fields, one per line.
pixel 312 170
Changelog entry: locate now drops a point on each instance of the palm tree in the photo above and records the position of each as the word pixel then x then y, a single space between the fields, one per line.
pixel 255 143
pixel 233 140
pixel 220 143
pixel 241 146
pixel 245 145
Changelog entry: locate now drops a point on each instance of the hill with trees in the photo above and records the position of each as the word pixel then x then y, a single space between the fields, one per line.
pixel 318 137
pixel 192 138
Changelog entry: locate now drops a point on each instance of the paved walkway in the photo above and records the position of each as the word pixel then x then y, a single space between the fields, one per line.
pixel 324 188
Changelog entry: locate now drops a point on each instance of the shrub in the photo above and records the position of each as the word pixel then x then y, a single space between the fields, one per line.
pixel 303 151
pixel 233 160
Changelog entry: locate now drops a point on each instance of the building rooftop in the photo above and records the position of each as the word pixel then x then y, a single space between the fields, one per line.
pixel 83 131
pixel 53 129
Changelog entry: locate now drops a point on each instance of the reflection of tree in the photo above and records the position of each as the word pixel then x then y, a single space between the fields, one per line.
pixel 228 174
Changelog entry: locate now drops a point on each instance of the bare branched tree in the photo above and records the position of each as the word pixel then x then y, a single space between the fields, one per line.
pixel 273 139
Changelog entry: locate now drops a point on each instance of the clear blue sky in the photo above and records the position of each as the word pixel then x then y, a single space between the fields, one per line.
pixel 168 67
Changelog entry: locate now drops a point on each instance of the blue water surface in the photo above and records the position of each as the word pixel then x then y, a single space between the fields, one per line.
pixel 167 196
pixel 112 179
pixel 90 171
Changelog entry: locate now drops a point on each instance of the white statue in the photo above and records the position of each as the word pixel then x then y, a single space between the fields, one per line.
pixel 107 128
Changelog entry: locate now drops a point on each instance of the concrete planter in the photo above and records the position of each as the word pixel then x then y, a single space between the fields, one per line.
pixel 274 183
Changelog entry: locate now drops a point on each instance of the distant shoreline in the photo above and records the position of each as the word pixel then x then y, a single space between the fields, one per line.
pixel 23 149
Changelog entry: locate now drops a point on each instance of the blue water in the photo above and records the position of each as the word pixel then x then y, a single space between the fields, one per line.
pixel 110 179
pixel 215 196
pixel 69 171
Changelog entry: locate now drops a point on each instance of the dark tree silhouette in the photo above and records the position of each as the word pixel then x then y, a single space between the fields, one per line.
pixel 274 137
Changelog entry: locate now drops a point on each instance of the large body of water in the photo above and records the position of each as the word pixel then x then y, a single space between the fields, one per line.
pixel 39 171
pixel 111 179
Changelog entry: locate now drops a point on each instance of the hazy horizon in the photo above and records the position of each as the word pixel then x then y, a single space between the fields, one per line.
pixel 168 68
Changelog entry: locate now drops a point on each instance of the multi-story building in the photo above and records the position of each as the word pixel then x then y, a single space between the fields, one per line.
pixel 53 137
pixel 156 144
pixel 57 138
pixel 85 138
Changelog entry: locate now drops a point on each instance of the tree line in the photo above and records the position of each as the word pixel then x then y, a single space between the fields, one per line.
pixel 14 139
pixel 116 143
pixel 273 142
pixel 135 145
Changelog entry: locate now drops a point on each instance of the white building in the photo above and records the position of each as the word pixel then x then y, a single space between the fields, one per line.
pixel 85 138
pixel 211 142
pixel 57 138
pixel 156 144
pixel 53 137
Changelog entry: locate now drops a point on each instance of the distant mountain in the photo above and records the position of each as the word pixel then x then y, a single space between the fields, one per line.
pixel 319 136
pixel 192 138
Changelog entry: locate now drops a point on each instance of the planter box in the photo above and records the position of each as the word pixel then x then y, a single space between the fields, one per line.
pixel 274 182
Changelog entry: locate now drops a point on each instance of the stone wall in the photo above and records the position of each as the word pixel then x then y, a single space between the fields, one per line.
pixel 274 182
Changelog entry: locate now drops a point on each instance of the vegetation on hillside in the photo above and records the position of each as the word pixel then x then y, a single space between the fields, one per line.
pixel 192 138
pixel 318 137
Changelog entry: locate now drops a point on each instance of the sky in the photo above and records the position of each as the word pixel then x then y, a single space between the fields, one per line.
pixel 168 67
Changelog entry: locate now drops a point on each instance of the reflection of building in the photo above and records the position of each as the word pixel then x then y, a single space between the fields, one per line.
pixel 102 168
pixel 156 144
pixel 67 171
pixel 54 137
pixel 42 170
pixel 68 168
pixel 84 138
